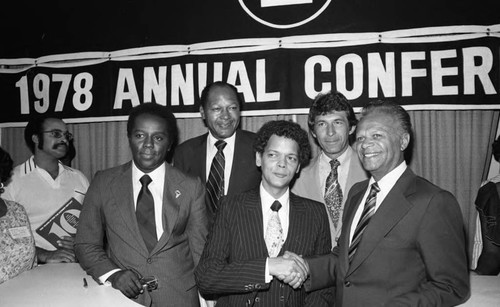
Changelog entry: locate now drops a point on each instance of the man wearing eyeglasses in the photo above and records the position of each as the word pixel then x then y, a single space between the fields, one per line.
pixel 43 185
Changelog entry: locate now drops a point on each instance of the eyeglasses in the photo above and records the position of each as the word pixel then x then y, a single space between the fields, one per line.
pixel 59 134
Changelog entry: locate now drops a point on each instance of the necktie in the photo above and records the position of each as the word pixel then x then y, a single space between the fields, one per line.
pixel 215 182
pixel 145 213
pixel 274 231
pixel 368 212
pixel 333 193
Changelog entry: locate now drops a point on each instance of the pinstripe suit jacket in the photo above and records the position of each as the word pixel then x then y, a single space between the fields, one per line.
pixel 234 259
pixel 109 212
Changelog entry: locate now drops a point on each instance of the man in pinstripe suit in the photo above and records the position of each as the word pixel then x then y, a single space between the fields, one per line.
pixel 236 264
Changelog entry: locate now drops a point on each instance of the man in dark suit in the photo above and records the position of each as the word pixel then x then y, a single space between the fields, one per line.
pixel 403 245
pixel 241 262
pixel 151 215
pixel 220 109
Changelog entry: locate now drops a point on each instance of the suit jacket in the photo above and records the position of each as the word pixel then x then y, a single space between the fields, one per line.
pixel 108 214
pixel 190 157
pixel 412 252
pixel 308 185
pixel 233 262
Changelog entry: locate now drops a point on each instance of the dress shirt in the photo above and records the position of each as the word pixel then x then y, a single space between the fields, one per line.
pixel 342 170
pixel 267 201
pixel 385 184
pixel 156 188
pixel 228 157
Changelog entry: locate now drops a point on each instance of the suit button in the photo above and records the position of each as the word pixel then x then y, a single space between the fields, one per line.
pixel 149 260
pixel 258 286
pixel 347 284
pixel 257 299
pixel 282 298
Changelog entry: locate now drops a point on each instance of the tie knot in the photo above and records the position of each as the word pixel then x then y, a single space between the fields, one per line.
pixel 375 188
pixel 334 163
pixel 145 180
pixel 276 206
pixel 220 144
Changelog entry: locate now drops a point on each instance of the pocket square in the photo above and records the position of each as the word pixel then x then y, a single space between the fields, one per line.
pixel 177 193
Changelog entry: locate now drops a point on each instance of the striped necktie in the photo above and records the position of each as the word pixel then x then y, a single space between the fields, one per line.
pixel 215 182
pixel 368 212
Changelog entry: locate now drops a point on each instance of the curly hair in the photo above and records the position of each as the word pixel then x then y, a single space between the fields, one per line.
pixel 326 103
pixel 287 129
pixel 6 165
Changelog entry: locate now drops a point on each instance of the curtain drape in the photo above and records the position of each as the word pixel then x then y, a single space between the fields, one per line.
pixel 450 148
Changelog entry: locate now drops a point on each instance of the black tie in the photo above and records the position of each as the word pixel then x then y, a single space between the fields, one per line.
pixel 215 182
pixel 145 214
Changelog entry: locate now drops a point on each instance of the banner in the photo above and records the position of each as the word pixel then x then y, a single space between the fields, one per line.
pixel 274 76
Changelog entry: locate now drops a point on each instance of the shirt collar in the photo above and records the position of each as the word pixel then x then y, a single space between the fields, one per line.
pixel 389 180
pixel 343 158
pixel 267 199
pixel 157 175
pixel 229 141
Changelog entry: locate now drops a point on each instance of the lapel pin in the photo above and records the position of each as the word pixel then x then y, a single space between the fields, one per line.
pixel 177 193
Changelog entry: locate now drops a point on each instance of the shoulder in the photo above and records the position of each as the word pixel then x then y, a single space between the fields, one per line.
pixel 180 177
pixel 189 143
pixel 245 136
pixel 76 173
pixel 306 202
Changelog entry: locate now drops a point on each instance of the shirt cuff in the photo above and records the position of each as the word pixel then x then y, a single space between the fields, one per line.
pixel 268 277
pixel 104 278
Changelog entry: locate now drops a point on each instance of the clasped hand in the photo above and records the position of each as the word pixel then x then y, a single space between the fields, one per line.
pixel 290 268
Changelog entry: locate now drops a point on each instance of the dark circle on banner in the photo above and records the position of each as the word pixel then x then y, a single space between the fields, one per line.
pixel 284 14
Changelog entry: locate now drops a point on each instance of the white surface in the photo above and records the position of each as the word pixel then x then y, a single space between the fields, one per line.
pixel 52 285
pixel 485 291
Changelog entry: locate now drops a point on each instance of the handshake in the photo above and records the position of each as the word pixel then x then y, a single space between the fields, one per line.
pixel 290 268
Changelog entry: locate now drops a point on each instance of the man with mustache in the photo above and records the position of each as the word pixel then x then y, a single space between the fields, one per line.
pixel 220 109
pixel 43 184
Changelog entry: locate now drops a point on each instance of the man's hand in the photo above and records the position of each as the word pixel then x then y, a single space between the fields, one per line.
pixel 57 256
pixel 293 280
pixel 67 242
pixel 291 270
pixel 127 282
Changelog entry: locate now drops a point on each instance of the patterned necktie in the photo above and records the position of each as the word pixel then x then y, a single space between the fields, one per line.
pixel 215 182
pixel 145 213
pixel 274 231
pixel 333 193
pixel 368 212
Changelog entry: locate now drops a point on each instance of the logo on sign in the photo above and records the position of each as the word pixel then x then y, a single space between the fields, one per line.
pixel 284 14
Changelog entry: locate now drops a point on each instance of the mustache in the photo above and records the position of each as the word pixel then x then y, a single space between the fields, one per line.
pixel 59 144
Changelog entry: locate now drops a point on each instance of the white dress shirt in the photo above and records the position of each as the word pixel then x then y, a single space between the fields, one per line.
pixel 385 184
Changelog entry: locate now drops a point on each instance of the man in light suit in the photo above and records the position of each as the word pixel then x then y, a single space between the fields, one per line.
pixel 331 122
pixel 166 245
pixel 239 262
pixel 412 249
pixel 220 109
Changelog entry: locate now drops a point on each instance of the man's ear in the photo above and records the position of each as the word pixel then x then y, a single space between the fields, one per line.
pixel 202 112
pixel 258 160
pixel 35 139
pixel 298 169
pixel 405 141
pixel 352 130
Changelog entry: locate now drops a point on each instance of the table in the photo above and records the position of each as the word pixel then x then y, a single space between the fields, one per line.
pixel 485 291
pixel 59 285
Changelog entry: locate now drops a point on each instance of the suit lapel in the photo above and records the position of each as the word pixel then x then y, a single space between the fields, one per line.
pixel 172 200
pixel 251 224
pixel 295 227
pixel 201 164
pixel 123 194
pixel 394 207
